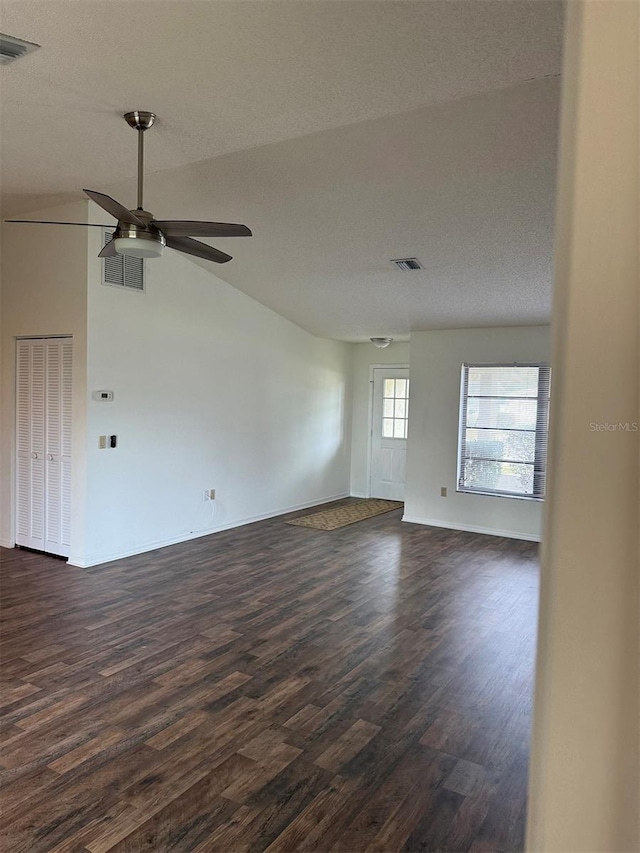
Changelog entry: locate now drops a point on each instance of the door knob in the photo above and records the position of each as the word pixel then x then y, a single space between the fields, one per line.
pixel 50 457
pixel 34 455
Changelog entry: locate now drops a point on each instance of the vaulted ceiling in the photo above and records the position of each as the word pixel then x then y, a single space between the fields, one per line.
pixel 344 134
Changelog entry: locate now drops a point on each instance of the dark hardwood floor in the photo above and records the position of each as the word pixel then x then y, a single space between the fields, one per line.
pixel 271 688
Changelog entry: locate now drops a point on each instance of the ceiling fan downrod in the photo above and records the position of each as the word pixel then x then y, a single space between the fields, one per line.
pixel 141 120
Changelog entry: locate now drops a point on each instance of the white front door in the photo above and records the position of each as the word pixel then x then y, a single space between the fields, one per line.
pixel 389 432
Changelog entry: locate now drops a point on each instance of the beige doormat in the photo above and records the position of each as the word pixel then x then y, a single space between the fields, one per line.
pixel 331 519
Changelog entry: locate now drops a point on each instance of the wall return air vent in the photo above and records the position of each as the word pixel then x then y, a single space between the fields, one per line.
pixel 12 48
pixel 406 264
pixel 122 270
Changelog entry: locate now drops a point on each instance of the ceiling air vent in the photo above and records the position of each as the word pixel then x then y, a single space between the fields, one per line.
pixel 407 264
pixel 12 48
pixel 122 270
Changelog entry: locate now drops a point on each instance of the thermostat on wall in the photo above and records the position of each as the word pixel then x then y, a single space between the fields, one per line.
pixel 102 396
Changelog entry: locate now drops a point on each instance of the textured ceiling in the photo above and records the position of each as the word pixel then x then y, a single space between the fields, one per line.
pixel 343 133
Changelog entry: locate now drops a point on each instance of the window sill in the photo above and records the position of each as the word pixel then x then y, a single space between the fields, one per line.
pixel 500 495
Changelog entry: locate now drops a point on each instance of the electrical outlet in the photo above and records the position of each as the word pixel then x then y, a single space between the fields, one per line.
pixel 209 495
pixel 443 491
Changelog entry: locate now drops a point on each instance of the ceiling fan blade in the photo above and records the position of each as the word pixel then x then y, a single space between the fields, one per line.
pixel 108 250
pixel 200 250
pixel 187 228
pixel 119 211
pixel 47 222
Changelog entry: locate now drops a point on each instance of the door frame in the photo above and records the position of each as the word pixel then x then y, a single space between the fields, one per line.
pixel 372 367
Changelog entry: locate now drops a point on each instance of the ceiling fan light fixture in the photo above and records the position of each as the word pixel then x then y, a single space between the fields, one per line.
pixel 381 343
pixel 137 243
pixel 135 248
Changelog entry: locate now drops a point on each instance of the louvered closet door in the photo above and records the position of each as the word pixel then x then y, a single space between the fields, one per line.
pixel 44 445
pixel 30 444
pixel 57 504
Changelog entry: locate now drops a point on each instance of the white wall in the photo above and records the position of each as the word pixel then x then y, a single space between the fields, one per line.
pixel 211 390
pixel 585 787
pixel 366 356
pixel 44 292
pixel 436 360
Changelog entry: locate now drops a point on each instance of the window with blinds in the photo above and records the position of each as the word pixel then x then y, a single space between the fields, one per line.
pixel 504 424
pixel 122 270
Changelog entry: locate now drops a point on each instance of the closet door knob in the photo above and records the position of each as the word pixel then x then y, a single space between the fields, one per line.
pixel 50 457
pixel 34 455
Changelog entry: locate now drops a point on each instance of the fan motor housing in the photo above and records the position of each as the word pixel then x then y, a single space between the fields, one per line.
pixel 137 233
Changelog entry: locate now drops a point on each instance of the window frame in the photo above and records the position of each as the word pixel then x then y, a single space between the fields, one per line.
pixel 541 432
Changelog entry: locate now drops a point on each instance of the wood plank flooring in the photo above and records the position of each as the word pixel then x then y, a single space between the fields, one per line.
pixel 271 688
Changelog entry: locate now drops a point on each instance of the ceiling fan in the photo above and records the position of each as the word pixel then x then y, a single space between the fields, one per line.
pixel 138 234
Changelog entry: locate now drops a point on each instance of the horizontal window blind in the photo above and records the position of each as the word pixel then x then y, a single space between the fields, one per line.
pixel 504 424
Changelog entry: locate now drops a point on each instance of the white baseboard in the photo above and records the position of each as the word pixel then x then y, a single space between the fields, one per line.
pixel 7 543
pixel 359 495
pixel 86 561
pixel 470 528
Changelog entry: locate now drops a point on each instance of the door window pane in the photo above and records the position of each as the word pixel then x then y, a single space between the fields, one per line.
pixel 395 408
pixel 387 428
pixel 399 428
